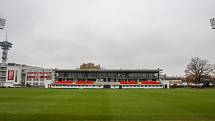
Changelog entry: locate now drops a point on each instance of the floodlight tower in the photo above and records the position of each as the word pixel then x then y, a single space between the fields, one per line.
pixel 5 45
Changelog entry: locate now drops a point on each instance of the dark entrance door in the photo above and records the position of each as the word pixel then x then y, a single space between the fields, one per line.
pixel 107 86
pixel 120 86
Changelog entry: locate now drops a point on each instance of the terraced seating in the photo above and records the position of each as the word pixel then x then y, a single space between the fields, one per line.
pixel 84 82
pixel 150 82
pixel 64 82
pixel 128 82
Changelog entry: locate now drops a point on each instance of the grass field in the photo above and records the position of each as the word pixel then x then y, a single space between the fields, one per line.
pixel 93 104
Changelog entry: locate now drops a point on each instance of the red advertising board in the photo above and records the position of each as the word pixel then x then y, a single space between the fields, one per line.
pixel 10 75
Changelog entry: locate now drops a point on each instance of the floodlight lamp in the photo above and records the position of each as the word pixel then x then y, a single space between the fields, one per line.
pixel 2 23
pixel 212 22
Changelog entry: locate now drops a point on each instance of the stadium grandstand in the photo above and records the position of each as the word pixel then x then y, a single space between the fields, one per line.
pixel 107 79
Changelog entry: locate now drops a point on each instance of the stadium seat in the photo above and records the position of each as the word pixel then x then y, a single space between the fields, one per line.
pixel 64 82
pixel 84 82
pixel 150 82
pixel 128 82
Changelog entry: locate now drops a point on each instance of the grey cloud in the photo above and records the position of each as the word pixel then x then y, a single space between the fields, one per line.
pixel 114 33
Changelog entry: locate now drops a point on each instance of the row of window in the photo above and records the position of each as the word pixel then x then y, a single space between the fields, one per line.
pixel 35 84
pixel 2 74
pixel 114 75
pixel 37 79
pixel 39 74
pixel 138 86
pixel 40 70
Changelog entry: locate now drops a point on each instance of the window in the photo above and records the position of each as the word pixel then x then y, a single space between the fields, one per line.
pixel 35 84
pixel 36 79
pixel 42 84
pixel 28 79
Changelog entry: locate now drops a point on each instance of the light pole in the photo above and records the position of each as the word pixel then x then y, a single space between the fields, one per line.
pixel 5 45
pixel 212 22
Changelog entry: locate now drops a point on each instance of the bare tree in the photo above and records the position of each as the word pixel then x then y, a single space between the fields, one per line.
pixel 198 70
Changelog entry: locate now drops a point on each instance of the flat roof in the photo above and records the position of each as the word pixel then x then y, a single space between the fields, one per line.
pixel 109 70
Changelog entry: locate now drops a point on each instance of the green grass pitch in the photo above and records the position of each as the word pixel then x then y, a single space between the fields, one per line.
pixel 107 104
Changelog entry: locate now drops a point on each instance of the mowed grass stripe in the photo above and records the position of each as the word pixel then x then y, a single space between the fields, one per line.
pixel 92 104
pixel 63 104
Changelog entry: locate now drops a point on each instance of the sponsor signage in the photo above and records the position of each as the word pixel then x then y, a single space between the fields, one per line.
pixel 10 75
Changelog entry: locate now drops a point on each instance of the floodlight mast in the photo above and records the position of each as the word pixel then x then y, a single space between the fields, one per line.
pixel 5 45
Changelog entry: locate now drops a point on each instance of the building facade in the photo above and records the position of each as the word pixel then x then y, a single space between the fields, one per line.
pixel 17 75
pixel 38 76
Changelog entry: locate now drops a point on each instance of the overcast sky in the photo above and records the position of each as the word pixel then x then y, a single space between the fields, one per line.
pixel 129 34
